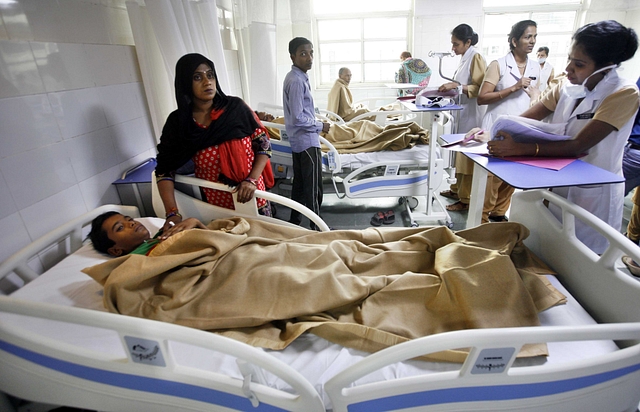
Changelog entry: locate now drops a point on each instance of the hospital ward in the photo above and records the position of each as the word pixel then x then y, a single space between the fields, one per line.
pixel 319 205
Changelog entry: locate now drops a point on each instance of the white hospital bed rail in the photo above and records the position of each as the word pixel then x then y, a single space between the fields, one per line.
pixel 487 381
pixel 142 381
pixel 70 235
pixel 192 207
pixel 604 286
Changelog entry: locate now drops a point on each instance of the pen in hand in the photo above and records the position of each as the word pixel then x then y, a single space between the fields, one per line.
pixel 472 136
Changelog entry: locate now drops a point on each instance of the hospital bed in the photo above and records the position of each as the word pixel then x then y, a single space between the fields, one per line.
pixel 59 347
pixel 405 174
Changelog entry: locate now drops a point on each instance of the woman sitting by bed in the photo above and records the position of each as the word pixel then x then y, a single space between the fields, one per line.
pixel 265 283
pixel 220 133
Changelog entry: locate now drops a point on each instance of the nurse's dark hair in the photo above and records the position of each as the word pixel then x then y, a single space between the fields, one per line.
pixel 98 235
pixel 517 30
pixel 544 49
pixel 607 42
pixel 464 32
pixel 297 42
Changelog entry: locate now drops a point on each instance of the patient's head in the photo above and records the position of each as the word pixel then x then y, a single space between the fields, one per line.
pixel 116 234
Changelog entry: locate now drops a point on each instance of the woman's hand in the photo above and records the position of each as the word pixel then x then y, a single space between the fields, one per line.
pixel 503 146
pixel 448 86
pixel 523 83
pixel 245 191
pixel 476 134
pixel 190 223
pixel 171 221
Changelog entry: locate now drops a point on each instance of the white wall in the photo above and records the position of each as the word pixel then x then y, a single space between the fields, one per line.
pixel 73 115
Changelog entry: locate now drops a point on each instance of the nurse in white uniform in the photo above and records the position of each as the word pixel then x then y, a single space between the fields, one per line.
pixel 599 108
pixel 509 85
pixel 468 78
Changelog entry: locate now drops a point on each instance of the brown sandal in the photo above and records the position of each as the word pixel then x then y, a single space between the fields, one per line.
pixel 457 207
pixel 449 194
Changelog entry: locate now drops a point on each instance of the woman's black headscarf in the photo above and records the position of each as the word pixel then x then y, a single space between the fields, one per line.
pixel 182 137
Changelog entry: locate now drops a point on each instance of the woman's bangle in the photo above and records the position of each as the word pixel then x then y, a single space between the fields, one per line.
pixel 499 94
pixel 252 181
pixel 537 150
pixel 172 214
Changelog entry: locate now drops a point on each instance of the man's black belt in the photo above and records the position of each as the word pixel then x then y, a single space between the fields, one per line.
pixel 634 146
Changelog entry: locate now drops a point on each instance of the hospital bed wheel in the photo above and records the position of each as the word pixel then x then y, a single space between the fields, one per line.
pixel 414 224
pixel 449 225
pixel 413 202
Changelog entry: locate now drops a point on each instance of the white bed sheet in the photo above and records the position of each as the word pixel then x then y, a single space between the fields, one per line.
pixel 315 358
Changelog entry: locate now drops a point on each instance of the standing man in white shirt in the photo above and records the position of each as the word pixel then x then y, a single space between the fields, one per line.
pixel 546 69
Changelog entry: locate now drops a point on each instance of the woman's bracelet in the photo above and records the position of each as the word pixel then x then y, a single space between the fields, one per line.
pixel 499 94
pixel 537 150
pixel 252 181
pixel 173 212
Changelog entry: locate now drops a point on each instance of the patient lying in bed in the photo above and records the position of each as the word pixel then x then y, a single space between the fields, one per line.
pixel 266 284
pixel 368 136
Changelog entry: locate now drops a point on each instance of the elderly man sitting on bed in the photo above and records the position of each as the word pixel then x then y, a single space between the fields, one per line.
pixel 265 283
pixel 340 98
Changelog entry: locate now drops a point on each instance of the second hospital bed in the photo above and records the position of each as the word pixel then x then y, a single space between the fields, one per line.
pixel 59 347
pixel 407 174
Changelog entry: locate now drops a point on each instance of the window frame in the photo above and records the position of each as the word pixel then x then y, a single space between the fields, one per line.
pixel 359 60
pixel 555 56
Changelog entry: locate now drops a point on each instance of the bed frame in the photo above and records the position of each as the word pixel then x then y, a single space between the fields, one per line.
pixel 42 370
pixel 487 381
pixel 405 179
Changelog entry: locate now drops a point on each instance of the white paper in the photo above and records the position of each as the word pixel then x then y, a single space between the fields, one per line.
pixel 524 130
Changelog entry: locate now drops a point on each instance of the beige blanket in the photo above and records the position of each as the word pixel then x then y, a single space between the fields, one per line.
pixel 367 136
pixel 265 284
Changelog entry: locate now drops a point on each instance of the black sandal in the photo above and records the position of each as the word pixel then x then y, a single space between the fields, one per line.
pixel 377 219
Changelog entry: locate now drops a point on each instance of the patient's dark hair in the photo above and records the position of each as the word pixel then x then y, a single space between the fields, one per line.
pixel 607 42
pixel 464 32
pixel 297 42
pixel 98 235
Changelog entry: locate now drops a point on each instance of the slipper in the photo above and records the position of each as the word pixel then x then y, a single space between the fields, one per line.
pixel 377 219
pixel 498 218
pixel 631 265
pixel 449 194
pixel 457 207
pixel 389 217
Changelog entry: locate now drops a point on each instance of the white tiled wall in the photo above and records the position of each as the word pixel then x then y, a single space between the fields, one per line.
pixel 73 115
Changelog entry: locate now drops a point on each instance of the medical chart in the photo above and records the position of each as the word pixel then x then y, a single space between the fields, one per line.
pixel 524 130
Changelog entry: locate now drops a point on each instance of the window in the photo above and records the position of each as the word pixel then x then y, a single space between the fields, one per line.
pixel 227 32
pixel 367 36
pixel 556 21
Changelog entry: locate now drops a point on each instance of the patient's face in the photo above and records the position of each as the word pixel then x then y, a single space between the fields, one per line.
pixel 346 76
pixel 127 234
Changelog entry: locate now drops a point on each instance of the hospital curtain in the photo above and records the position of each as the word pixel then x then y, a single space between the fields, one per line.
pixel 164 31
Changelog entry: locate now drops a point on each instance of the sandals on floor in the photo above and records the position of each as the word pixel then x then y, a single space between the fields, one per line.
pixel 631 265
pixel 386 218
pixel 457 207
pixel 377 219
pixel 449 194
pixel 389 217
pixel 498 218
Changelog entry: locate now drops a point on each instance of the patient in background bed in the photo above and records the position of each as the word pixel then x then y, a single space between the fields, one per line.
pixel 265 283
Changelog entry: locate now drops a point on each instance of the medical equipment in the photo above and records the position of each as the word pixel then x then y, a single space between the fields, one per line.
pixel 52 350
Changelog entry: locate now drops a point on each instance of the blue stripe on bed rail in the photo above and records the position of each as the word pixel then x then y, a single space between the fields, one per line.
pixel 136 382
pixel 490 393
pixel 387 183
pixel 275 147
